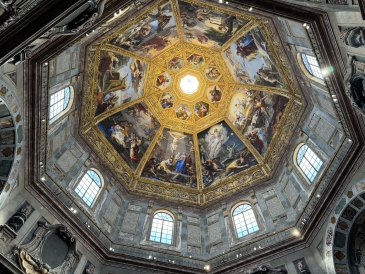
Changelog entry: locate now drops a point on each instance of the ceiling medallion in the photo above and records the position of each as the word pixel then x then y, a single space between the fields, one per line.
pixel 192 110
pixel 189 84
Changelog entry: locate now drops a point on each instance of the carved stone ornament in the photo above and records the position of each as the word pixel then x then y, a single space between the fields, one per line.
pixel 19 218
pixel 90 269
pixel 30 256
pixel 303 268
pixel 263 269
pixel 8 12
pixel 329 236
pixel 83 21
pixel 355 83
pixel 6 236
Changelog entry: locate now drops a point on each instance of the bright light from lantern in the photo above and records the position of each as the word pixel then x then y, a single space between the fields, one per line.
pixel 189 84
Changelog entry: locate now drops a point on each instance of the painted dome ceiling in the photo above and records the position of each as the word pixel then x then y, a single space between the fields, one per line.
pixel 189 101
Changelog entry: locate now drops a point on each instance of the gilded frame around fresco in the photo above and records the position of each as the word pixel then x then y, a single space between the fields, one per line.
pixel 158 65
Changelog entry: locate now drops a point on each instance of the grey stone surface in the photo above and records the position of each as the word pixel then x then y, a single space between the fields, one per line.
pixel 63 63
pixel 274 207
pixel 193 220
pixel 76 151
pixel 58 140
pixel 194 249
pixel 214 232
pixel 313 122
pixel 130 221
pixel 336 139
pixel 216 248
pixel 194 234
pixel 326 104
pixel 134 207
pixel 66 161
pixel 296 29
pixel 324 130
pixel 107 226
pixel 117 199
pixel 58 173
pixel 300 205
pixel 291 192
pixel 126 236
pixel 74 60
pixel 268 193
pixel 111 212
pixel 213 218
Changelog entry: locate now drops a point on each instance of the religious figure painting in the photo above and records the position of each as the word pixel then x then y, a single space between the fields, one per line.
pixel 207 27
pixel 152 35
pixel 120 80
pixel 172 159
pixel 130 132
pixel 196 60
pixel 213 73
pixel 182 111
pixel 167 100
pixel 260 117
pixel 251 62
pixel 175 63
pixel 201 109
pixel 163 81
pixel 214 94
pixel 222 153
pixel 241 104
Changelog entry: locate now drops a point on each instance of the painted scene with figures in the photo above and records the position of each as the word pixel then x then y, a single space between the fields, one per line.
pixel 153 34
pixel 251 61
pixel 130 132
pixel 172 159
pixel 222 153
pixel 120 80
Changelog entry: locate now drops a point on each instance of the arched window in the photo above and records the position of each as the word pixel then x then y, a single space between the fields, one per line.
pixel 312 66
pixel 244 220
pixel 89 187
pixel 162 228
pixel 59 101
pixel 308 162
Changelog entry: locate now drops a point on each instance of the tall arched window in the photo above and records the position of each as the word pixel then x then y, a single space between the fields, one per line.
pixel 89 187
pixel 162 228
pixel 308 162
pixel 244 220
pixel 59 101
pixel 312 65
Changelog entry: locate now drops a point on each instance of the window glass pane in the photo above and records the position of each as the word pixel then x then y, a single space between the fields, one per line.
pixel 244 220
pixel 308 162
pixel 59 102
pixel 311 64
pixel 162 228
pixel 89 187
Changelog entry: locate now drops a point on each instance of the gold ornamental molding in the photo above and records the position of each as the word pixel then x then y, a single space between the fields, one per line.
pixel 198 147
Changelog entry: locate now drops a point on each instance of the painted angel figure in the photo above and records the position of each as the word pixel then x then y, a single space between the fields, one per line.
pixel 215 140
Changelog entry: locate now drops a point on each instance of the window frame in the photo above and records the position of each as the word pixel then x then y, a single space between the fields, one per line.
pixel 173 227
pixel 315 80
pixel 297 164
pixel 313 69
pixel 96 198
pixel 67 109
pixel 233 224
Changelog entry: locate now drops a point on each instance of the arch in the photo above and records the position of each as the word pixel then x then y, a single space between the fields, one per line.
pixel 307 161
pixel 60 102
pixel 308 64
pixel 244 219
pixel 89 186
pixel 162 227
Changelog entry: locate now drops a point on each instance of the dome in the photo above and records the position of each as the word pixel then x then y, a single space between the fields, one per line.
pixel 189 109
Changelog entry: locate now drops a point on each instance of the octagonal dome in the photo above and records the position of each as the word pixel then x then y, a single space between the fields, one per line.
pixel 187 108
